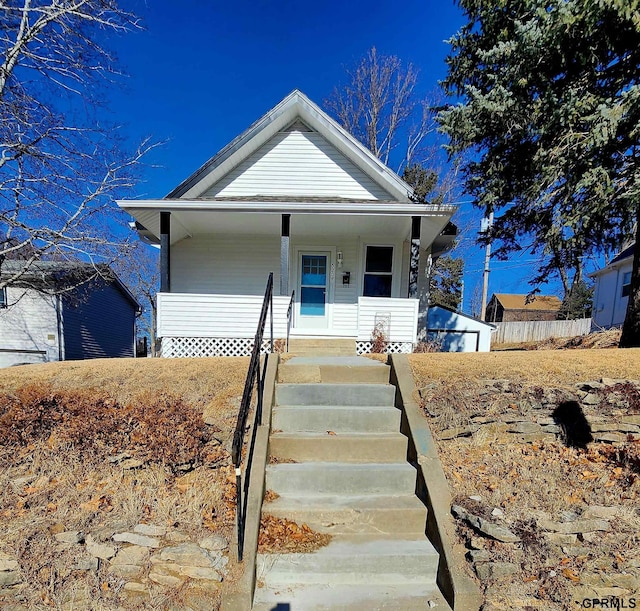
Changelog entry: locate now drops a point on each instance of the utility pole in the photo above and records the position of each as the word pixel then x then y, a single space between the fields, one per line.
pixel 485 227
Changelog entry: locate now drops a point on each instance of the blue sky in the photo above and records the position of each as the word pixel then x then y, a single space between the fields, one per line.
pixel 201 72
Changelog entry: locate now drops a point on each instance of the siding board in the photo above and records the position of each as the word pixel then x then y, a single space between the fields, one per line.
pixel 298 163
pixel 221 265
pixel 98 322
pixel 189 315
pixel 402 316
pixel 28 328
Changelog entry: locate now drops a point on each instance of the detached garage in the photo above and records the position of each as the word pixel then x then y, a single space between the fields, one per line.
pixel 457 332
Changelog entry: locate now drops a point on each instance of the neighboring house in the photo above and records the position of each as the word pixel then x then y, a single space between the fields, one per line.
pixel 51 314
pixel 503 307
pixel 611 291
pixel 456 332
pixel 297 195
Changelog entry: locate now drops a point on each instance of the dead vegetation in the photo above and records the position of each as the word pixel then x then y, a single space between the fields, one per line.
pixel 100 446
pixel 599 339
pixel 522 481
pixel 282 536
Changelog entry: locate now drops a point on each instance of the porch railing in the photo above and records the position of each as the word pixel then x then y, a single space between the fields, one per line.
pixel 290 316
pixel 254 377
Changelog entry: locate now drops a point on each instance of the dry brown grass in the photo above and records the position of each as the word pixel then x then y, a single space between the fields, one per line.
pixel 539 367
pixel 198 381
pixel 57 470
pixel 540 479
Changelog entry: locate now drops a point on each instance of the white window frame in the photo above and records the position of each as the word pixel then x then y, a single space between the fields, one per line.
pixel 390 274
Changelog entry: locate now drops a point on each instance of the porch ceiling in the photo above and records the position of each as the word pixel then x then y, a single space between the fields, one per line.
pixel 351 222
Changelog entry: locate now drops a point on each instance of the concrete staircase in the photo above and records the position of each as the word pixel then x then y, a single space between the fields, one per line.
pixel 338 464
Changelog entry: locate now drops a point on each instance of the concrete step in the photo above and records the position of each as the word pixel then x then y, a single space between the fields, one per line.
pixel 349 597
pixel 343 447
pixel 333 370
pixel 351 514
pixel 335 394
pixel 322 346
pixel 323 418
pixel 341 478
pixel 354 560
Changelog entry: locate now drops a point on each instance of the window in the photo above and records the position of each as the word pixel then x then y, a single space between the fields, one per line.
pixel 626 284
pixel 377 271
pixel 3 297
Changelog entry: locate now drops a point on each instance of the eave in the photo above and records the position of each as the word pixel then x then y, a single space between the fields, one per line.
pixel 287 207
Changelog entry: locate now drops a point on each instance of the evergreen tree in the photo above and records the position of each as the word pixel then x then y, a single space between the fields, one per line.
pixel 445 282
pixel 550 110
pixel 578 303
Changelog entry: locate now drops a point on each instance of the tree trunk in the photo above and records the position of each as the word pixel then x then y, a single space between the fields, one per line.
pixel 631 328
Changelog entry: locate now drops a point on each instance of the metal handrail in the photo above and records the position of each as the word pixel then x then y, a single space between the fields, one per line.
pixel 290 316
pixel 253 376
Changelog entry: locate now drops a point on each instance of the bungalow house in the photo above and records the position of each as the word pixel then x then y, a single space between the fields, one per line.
pixel 611 291
pixel 503 307
pixel 58 311
pixel 296 195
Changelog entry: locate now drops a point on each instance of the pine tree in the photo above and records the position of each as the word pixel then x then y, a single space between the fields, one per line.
pixel 550 110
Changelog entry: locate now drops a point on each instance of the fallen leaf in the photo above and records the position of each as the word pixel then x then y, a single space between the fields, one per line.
pixel 569 574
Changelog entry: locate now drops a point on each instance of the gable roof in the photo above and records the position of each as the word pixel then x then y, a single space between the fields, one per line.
pixel 298 110
pixel 60 276
pixel 520 302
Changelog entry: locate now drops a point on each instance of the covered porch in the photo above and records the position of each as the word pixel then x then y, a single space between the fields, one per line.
pixel 341 269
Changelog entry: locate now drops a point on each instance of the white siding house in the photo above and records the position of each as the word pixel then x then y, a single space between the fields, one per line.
pixel 611 291
pixel 298 196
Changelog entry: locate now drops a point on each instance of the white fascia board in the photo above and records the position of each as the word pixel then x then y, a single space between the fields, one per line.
pixel 611 267
pixel 368 208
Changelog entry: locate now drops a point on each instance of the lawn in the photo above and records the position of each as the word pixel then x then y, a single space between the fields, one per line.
pixel 101 446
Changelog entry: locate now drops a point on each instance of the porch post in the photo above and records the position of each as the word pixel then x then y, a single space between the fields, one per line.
pixel 284 254
pixel 165 264
pixel 414 259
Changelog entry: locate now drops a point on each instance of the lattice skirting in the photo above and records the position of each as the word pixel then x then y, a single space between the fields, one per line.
pixel 184 347
pixel 390 347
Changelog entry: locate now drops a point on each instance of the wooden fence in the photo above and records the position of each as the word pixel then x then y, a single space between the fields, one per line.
pixel 538 330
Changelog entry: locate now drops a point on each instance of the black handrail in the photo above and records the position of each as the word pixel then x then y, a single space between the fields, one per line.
pixel 290 316
pixel 253 375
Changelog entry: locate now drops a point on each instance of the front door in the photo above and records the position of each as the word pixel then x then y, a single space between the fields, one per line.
pixel 313 287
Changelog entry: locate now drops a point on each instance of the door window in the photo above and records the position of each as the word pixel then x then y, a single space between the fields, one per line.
pixel 313 285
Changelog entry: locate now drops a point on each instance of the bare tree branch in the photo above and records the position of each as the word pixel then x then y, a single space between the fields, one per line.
pixel 59 167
